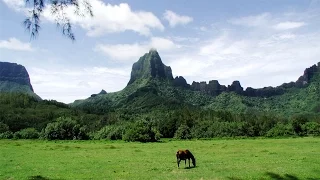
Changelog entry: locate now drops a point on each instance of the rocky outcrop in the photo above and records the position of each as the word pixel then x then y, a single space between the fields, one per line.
pixel 14 73
pixel 180 82
pixel 304 80
pixel 100 93
pixel 235 87
pixel 150 66
pixel 214 88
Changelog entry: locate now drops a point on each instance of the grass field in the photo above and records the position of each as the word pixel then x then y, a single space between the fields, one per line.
pixel 288 159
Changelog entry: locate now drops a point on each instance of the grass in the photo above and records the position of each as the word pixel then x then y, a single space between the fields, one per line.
pixel 284 159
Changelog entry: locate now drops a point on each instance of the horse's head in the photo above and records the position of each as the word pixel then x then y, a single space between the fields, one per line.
pixel 194 162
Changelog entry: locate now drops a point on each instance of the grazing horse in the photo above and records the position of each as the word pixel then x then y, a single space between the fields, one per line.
pixel 184 155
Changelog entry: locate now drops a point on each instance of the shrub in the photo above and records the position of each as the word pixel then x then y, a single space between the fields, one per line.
pixel 183 132
pixel 111 132
pixel 143 131
pixel 3 127
pixel 65 128
pixel 311 128
pixel 28 133
pixel 6 135
pixel 281 130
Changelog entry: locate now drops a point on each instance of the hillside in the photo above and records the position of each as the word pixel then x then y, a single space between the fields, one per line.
pixel 152 86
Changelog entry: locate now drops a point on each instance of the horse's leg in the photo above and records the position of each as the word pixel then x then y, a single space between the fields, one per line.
pixel 189 162
pixel 185 162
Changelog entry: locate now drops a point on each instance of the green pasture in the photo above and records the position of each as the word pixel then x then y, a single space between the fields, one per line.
pixel 285 159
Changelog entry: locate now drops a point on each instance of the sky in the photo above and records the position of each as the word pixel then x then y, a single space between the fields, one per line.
pixel 260 43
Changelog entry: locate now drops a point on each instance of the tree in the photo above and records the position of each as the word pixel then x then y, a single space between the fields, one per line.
pixel 142 130
pixel 58 8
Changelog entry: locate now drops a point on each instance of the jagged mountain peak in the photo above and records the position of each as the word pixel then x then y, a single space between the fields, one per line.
pixel 149 66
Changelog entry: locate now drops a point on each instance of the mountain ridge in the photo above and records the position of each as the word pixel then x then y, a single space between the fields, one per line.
pixel 152 85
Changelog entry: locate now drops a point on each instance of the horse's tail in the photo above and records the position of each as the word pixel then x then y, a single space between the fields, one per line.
pixel 192 158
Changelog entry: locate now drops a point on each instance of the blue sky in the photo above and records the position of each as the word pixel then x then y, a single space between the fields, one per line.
pixel 260 43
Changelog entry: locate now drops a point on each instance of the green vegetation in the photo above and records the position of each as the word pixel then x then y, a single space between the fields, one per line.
pixel 216 159
pixel 154 106
pixel 24 117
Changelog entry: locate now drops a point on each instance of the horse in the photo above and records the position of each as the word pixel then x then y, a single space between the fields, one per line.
pixel 184 155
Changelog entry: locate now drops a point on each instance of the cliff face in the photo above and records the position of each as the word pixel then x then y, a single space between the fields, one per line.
pixel 15 74
pixel 214 88
pixel 150 66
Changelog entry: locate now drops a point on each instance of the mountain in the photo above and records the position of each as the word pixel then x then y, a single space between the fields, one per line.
pixel 150 66
pixel 152 87
pixel 15 78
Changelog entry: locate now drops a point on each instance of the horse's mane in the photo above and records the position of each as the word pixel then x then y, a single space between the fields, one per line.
pixel 191 156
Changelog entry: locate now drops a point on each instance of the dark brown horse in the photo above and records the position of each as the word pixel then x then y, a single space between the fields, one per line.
pixel 184 155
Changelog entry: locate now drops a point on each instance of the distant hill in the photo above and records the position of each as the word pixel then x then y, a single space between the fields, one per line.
pixel 152 87
pixel 15 78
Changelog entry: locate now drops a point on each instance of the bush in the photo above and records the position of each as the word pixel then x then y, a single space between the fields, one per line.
pixel 65 129
pixel 28 133
pixel 6 135
pixel 311 128
pixel 183 132
pixel 281 130
pixel 111 132
pixel 143 131
pixel 3 127
pixel 297 123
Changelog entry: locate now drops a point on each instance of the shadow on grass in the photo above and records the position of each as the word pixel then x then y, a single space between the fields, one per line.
pixel 279 177
pixel 38 177
pixel 191 167
pixel 275 176
pixel 234 178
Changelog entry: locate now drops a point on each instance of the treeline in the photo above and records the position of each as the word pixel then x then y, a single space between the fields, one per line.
pixel 24 117
pixel 20 111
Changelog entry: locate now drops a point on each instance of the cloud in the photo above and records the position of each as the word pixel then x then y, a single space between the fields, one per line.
pixel 133 51
pixel 111 19
pixel 257 61
pixel 107 18
pixel 15 44
pixel 188 39
pixel 66 85
pixel 252 21
pixel 267 20
pixel 176 19
pixel 16 5
pixel 288 25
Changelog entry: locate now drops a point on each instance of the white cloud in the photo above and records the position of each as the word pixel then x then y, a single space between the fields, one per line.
pixel 257 61
pixel 287 36
pixel 121 51
pixel 112 18
pixel 16 5
pixel 252 21
pixel 67 85
pixel 176 19
pixel 288 25
pixel 15 44
pixel 269 21
pixel 133 51
pixel 188 39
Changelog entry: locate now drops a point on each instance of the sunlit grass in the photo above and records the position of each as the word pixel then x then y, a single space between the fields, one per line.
pixel 216 159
